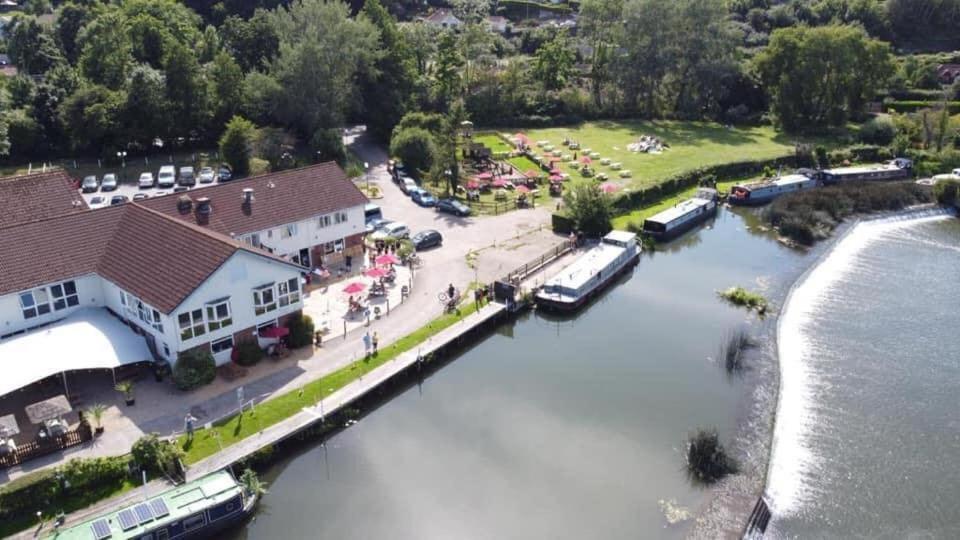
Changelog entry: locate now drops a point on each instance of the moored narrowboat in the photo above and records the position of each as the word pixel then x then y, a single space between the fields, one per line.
pixel 682 217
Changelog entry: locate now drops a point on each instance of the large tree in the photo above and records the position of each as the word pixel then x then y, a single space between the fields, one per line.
pixel 589 207
pixel 254 42
pixel 236 145
pixel 91 117
pixel 818 77
pixel 106 50
pixel 146 113
pixel 554 62
pixel 388 87
pixel 600 27
pixel 32 47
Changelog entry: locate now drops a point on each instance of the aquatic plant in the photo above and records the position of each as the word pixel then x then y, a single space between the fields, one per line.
pixel 707 460
pixel 732 350
pixel 741 297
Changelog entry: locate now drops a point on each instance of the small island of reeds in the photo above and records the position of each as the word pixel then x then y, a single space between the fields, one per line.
pixel 739 296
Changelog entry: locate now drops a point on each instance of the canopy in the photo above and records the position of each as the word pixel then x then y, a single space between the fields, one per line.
pixel 586 160
pixel 8 426
pixel 500 182
pixel 376 272
pixel 90 338
pixel 520 137
pixel 532 174
pixel 387 258
pixel 523 189
pixel 355 287
pixel 48 409
pixel 556 178
pixel 275 332
pixel 473 185
pixel 556 171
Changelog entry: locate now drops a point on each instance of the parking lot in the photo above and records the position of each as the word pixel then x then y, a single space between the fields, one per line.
pixel 127 184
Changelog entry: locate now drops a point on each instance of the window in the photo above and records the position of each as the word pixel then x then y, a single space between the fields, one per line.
pixel 191 324
pixel 221 345
pixel 338 245
pixel 324 221
pixel 264 299
pixel 218 314
pixel 253 239
pixel 193 523
pixel 166 350
pixel 288 230
pixel 328 248
pixel 64 295
pixel 340 217
pixel 137 309
pixel 34 303
pixel 288 291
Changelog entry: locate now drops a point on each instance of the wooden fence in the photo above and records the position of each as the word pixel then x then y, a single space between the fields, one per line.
pixel 35 449
pixel 523 271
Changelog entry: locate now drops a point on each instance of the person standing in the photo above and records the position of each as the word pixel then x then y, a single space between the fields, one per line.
pixel 189 421
pixel 376 342
pixel 366 344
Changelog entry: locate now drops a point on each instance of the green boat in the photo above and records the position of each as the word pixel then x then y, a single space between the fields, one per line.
pixel 195 509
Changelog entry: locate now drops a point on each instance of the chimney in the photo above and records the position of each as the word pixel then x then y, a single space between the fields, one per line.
pixel 184 204
pixel 247 196
pixel 203 210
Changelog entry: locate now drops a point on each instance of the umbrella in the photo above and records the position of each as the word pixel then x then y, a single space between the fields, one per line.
pixel 523 189
pixel 556 178
pixel 520 137
pixel 48 409
pixel 484 176
pixel 499 182
pixel 355 287
pixel 275 332
pixel 556 171
pixel 609 187
pixel 472 184
pixel 387 258
pixel 375 272
pixel 586 160
pixel 532 174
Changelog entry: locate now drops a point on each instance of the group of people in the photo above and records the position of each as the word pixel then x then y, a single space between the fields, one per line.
pixel 370 344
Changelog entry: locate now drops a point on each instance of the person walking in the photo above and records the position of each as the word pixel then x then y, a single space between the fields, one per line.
pixel 366 344
pixel 188 422
pixel 376 342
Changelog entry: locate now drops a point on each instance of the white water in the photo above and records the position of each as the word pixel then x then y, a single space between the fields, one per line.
pixel 794 465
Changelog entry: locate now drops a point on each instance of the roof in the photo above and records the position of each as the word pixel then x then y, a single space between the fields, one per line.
pixel 30 197
pixel 678 211
pixel 182 501
pixel 786 180
pixel 279 198
pixel 89 338
pixel 442 16
pixel 859 169
pixel 159 259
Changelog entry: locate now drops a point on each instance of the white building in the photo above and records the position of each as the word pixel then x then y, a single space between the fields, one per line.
pixel 443 18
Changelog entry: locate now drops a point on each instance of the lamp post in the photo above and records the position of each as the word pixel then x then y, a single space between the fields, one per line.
pixel 449 175
pixel 122 155
pixel 366 173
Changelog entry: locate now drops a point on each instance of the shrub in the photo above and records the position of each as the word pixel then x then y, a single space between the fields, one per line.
pixel 156 455
pixel 707 460
pixel 194 368
pixel 878 131
pixel 248 353
pixel 87 472
pixel 415 147
pixel 947 191
pixel 742 297
pixel 301 331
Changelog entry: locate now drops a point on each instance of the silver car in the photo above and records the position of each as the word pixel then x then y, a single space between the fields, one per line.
pixel 206 175
pixel 109 182
pixel 146 180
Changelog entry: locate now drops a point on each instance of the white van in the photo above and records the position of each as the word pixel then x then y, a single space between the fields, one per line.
pixel 167 176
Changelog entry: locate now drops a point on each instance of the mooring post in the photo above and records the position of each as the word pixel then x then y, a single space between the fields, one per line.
pixel 344 329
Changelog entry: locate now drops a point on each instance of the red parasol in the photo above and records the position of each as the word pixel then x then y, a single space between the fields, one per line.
pixel 375 272
pixel 275 332
pixel 499 182
pixel 473 185
pixel 608 187
pixel 523 189
pixel 532 174
pixel 387 258
pixel 556 178
pixel 355 287
pixel 586 160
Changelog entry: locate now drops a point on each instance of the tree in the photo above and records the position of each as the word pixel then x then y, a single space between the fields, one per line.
pixel 260 97
pixel 446 71
pixel 589 207
pixel 471 11
pixel 91 118
pixel 71 19
pixel 236 145
pixel 146 113
pixel 105 50
pixel 422 39
pixel 818 77
pixel 187 90
pixel 32 47
pixel 600 25
pixel 254 43
pixel 554 62
pixel 414 146
pixel 227 81
pixel 327 145
pixel 388 87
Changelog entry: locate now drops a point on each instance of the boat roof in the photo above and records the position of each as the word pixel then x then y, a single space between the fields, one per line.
pixel 858 169
pixel 620 236
pixel 778 181
pixel 586 267
pixel 676 212
pixel 168 507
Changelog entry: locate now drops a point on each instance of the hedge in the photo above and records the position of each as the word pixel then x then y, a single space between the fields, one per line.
pixel 914 106
pixel 518 8
pixel 561 224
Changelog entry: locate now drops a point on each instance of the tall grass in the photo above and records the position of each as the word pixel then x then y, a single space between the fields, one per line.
pixel 707 460
pixel 739 296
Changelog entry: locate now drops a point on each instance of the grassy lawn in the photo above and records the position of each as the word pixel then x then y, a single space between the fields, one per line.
pixel 637 216
pixel 692 145
pixel 524 164
pixel 493 142
pixel 234 429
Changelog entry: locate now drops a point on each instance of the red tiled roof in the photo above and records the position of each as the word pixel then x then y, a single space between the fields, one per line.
pixel 279 198
pixel 30 197
pixel 159 259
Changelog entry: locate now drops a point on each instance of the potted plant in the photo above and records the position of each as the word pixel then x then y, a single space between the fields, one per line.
pixel 126 388
pixel 95 412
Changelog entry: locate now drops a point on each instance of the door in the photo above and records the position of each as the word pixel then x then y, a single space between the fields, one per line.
pixel 305 257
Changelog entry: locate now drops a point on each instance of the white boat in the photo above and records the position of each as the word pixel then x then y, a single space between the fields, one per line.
pixel 682 217
pixel 768 190
pixel 616 253
pixel 897 169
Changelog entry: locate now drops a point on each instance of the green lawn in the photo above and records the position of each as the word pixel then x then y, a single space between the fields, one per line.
pixel 236 428
pixel 637 216
pixel 692 145
pixel 493 142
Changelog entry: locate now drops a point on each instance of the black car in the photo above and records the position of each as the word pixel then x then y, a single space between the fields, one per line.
pixel 118 199
pixel 224 173
pixel 453 206
pixel 426 239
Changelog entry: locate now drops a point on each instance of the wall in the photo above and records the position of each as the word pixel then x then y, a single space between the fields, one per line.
pixel 89 291
pixel 309 234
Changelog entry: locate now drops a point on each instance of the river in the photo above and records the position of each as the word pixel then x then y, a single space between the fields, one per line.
pixel 867 431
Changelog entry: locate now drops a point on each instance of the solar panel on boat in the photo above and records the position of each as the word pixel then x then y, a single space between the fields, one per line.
pixel 127 519
pixel 144 514
pixel 159 507
pixel 101 529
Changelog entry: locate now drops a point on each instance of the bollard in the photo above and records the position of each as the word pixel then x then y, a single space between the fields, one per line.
pixel 344 329
pixel 388 305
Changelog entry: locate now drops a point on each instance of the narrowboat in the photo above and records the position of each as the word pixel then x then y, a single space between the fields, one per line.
pixel 682 217
pixel 200 508
pixel 768 190
pixel 616 253
pixel 897 169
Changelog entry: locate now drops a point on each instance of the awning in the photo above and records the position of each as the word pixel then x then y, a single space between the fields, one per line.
pixel 275 332
pixel 90 338
pixel 48 409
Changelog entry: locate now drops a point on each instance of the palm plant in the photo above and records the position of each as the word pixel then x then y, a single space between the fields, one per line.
pixel 96 413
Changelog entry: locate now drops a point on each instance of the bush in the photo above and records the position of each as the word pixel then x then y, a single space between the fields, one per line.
pixel 194 368
pixel 742 297
pixel 301 331
pixel 248 353
pixel 947 191
pixel 878 131
pixel 914 106
pixel 707 460
pixel 156 456
pixel 86 472
pixel 415 147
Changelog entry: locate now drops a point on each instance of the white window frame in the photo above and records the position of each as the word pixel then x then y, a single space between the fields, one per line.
pixel 328 248
pixel 288 230
pixel 219 342
pixel 33 308
pixel 339 245
pixel 254 240
pixel 65 298
pixel 340 217
pixel 138 309
pixel 323 221
pixel 259 306
pixel 288 292
pixel 46 300
pixel 218 314
pixel 195 326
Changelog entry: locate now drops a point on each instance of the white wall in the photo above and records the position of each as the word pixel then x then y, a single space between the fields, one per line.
pixel 309 234
pixel 89 291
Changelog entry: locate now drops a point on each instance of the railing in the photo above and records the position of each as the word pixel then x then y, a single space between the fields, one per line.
pixel 522 272
pixel 35 449
pixel 759 519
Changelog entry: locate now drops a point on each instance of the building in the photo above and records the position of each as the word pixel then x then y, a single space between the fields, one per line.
pixel 310 216
pixel 497 24
pixel 443 18
pixel 947 73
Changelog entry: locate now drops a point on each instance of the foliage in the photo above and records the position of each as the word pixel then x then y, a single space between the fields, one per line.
pixel 589 207
pixel 248 353
pixel 194 368
pixel 554 62
pixel 252 484
pixel 414 147
pixel 327 145
pixel 819 77
pixel 301 331
pixel 236 145
pixel 387 89
pixel 125 388
pixel 156 455
pixel 947 192
pixel 95 412
pixel 878 131
pixel 707 460
pixel 739 296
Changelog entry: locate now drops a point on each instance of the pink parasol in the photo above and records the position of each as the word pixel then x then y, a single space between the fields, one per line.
pixel 355 287
pixel 499 182
pixel 521 138
pixel 484 176
pixel 473 185
pixel 523 189
pixel 532 174
pixel 556 178
pixel 609 187
pixel 556 172
pixel 586 160
pixel 375 272
pixel 387 258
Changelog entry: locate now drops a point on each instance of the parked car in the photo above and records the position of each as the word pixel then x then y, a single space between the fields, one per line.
pixel 145 181
pixel 407 185
pixel 118 199
pixel 453 206
pixel 423 197
pixel 186 177
pixel 89 184
pixel 109 182
pixel 140 196
pixel 207 175
pixel 426 239
pixel 97 202
pixel 167 176
pixel 180 189
pixel 393 230
pixel 224 173
pixel 376 224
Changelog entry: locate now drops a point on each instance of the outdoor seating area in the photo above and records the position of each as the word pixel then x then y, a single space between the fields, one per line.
pixel 36 421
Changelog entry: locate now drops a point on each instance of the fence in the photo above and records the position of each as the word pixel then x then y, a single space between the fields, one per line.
pixel 522 272
pixel 35 449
